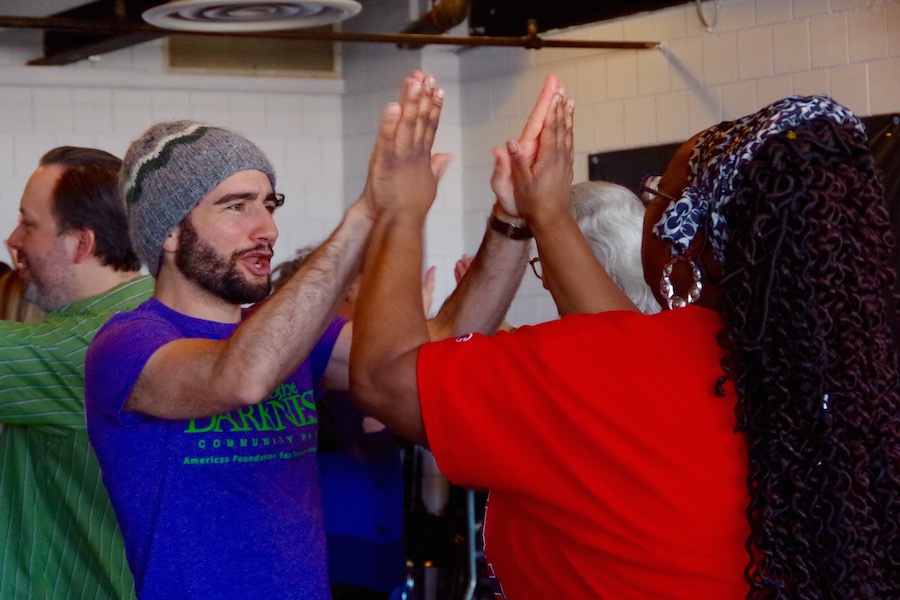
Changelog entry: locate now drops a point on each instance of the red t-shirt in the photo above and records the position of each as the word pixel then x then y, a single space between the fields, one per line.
pixel 613 467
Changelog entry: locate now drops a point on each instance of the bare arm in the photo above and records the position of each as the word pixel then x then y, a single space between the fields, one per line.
pixel 191 378
pixel 484 292
pixel 389 323
pixel 389 330
pixel 482 298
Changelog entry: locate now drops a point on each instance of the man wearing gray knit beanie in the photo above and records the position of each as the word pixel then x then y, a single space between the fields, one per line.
pixel 202 413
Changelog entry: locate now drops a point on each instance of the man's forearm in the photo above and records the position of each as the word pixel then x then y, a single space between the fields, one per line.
pixel 481 300
pixel 191 378
pixel 283 331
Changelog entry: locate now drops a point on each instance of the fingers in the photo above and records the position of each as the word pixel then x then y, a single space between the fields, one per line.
pixel 428 288
pixel 462 265
pixel 421 104
pixel 387 129
pixel 501 178
pixel 429 112
pixel 535 121
pixel 501 166
pixel 439 164
pixel 520 167
pixel 552 133
pixel 411 96
pixel 557 139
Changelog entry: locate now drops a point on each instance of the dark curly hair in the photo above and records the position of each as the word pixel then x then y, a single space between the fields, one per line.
pixel 814 366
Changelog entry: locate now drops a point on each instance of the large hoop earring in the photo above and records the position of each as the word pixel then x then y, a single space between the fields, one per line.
pixel 667 290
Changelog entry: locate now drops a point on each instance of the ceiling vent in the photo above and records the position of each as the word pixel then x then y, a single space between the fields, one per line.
pixel 272 57
pixel 234 16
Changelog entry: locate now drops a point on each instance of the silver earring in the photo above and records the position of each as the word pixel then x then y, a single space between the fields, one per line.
pixel 667 290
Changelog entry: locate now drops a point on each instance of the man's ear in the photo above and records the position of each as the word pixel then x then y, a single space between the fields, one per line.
pixel 171 242
pixel 85 244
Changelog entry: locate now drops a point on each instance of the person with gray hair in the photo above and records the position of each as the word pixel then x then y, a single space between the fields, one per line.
pixel 611 218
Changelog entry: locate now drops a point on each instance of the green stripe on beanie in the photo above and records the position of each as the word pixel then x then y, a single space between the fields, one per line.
pixel 169 169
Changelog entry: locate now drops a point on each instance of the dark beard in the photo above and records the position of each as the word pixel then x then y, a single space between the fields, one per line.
pixel 201 264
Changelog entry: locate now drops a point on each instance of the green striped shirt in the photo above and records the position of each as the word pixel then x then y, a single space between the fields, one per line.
pixel 58 533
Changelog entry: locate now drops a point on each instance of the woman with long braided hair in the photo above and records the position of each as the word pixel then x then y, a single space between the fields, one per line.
pixel 793 241
pixel 744 443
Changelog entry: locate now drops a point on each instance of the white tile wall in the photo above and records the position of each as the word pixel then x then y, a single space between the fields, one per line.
pixel 893 28
pixel 791 47
pixel 867 37
pixel 769 12
pixel 759 51
pixel 108 103
pixel 850 84
pixel 719 58
pixel 756 53
pixel 319 133
pixel 812 82
pixel 828 40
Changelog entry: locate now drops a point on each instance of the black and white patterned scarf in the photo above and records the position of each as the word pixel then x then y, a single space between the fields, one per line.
pixel 717 158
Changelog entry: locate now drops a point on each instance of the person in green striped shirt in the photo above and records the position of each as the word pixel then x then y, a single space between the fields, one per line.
pixel 58 534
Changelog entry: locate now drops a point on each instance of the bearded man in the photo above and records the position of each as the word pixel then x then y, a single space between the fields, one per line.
pixel 202 413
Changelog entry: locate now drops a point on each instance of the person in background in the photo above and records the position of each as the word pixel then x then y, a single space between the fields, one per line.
pixel 77 264
pixel 361 475
pixel 741 443
pixel 13 307
pixel 611 219
pixel 202 414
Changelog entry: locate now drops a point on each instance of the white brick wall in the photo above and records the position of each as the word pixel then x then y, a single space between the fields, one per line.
pixel 319 133
pixel 106 104
pixel 758 52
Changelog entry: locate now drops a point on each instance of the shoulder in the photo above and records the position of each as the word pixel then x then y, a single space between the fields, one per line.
pixel 133 327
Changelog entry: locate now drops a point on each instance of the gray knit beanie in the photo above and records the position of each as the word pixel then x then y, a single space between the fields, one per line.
pixel 169 169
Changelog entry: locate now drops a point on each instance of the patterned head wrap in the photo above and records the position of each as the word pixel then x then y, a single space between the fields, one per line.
pixel 716 161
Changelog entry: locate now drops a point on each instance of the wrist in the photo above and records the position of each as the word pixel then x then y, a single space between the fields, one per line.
pixel 514 228
pixel 498 211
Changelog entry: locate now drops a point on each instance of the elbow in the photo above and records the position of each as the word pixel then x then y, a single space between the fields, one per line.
pixel 365 385
pixel 387 390
pixel 236 392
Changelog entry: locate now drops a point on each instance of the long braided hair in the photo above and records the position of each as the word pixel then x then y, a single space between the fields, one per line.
pixel 814 365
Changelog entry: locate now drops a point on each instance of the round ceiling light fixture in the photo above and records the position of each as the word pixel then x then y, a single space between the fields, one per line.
pixel 236 16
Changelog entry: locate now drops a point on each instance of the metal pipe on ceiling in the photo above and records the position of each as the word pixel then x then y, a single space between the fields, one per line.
pixel 531 41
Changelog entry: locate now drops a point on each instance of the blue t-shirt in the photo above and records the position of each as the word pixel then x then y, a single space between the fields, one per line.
pixel 221 507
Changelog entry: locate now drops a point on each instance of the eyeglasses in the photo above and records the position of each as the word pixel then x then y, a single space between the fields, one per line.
pixel 536 267
pixel 274 201
pixel 650 189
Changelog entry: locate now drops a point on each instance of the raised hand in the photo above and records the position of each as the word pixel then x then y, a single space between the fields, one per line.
pixel 403 174
pixel 528 144
pixel 541 178
pixel 529 141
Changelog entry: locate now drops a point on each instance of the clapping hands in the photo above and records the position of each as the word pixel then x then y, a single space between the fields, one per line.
pixel 532 175
pixel 403 174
